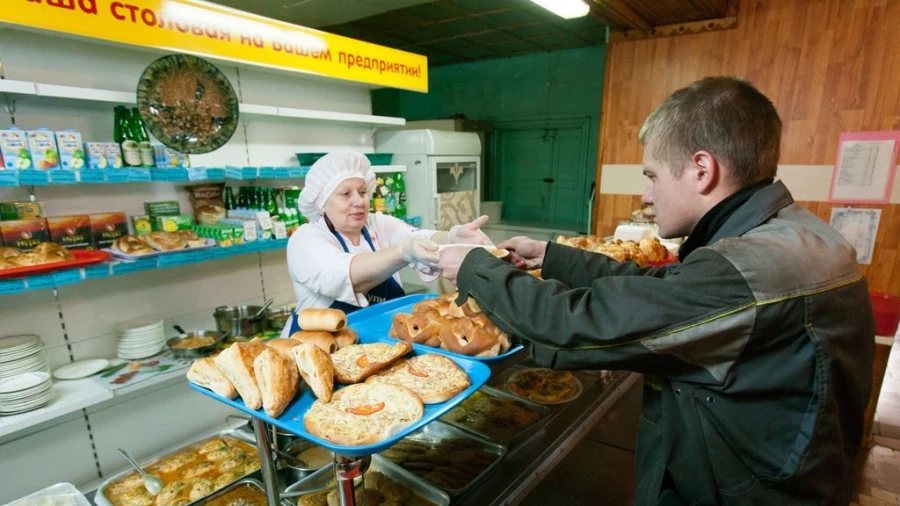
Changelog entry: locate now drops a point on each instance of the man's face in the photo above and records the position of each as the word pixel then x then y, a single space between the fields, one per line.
pixel 671 198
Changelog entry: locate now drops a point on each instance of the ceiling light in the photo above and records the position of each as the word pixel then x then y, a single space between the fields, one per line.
pixel 566 9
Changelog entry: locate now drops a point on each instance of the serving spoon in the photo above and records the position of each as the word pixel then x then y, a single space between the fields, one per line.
pixel 153 484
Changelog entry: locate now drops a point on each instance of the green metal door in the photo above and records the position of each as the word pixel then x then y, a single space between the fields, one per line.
pixel 567 197
pixel 525 158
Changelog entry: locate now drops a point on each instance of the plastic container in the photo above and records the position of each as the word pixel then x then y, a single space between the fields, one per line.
pixel 887 313
pixel 307 159
pixel 379 158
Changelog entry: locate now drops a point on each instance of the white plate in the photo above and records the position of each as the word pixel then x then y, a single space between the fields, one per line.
pixel 146 323
pixel 22 382
pixel 6 366
pixel 81 369
pixel 10 342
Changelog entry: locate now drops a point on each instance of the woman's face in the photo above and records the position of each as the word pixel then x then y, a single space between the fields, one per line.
pixel 348 206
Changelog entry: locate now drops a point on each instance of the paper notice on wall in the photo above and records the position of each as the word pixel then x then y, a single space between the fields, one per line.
pixel 864 167
pixel 859 227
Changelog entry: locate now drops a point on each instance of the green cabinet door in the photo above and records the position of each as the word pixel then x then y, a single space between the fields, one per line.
pixel 524 159
pixel 567 198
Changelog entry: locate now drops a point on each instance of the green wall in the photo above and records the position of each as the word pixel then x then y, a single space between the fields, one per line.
pixel 550 85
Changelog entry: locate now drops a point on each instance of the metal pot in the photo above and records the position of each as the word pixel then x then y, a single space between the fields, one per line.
pixel 296 470
pixel 238 321
pixel 276 319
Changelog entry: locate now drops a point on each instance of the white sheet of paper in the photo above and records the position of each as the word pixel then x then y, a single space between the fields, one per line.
pixel 863 170
pixel 859 227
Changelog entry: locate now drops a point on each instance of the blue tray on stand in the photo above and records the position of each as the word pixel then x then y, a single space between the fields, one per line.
pixel 377 320
pixel 292 418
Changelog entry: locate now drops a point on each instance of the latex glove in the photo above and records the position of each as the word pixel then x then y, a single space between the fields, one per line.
pixel 470 233
pixel 525 253
pixel 421 254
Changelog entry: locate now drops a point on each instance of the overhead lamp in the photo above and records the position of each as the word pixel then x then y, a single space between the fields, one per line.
pixel 566 9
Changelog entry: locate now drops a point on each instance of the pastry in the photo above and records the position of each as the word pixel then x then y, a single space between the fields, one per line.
pixel 324 340
pixel 357 362
pixel 278 380
pixel 329 320
pixel 236 363
pixel 165 241
pixel 7 252
pixel 422 328
pixel 205 373
pixel 434 378
pixel 132 245
pixel 6 264
pixel 191 238
pixel 544 385
pixel 345 337
pixel 53 249
pixel 283 346
pixel 29 259
pixel 363 414
pixel 316 368
pixel 466 338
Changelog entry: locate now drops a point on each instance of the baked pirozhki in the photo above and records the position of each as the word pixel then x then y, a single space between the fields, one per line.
pixel 236 363
pixel 363 414
pixel 324 340
pixel 421 328
pixel 329 320
pixel 345 337
pixel 278 380
pixel 467 338
pixel 53 249
pixel 205 373
pixel 132 245
pixel 484 322
pixel 434 378
pixel 357 362
pixel 191 238
pixel 545 386
pixel 165 241
pixel 283 346
pixel 7 252
pixel 316 369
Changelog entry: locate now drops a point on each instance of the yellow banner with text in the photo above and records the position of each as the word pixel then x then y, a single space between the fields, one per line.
pixel 205 29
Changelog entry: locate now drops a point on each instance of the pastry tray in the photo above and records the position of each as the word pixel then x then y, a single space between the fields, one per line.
pixel 320 479
pixel 377 320
pixel 512 439
pixel 124 256
pixel 253 483
pixel 291 419
pixel 82 258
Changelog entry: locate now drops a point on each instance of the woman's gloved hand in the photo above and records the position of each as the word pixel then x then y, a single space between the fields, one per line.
pixel 470 233
pixel 421 254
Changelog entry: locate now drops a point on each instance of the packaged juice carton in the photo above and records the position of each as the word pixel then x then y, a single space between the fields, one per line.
pixel 44 153
pixel 24 234
pixel 21 210
pixel 172 223
pixel 14 147
pixel 106 228
pixel 71 150
pixel 140 224
pixel 113 155
pixel 73 232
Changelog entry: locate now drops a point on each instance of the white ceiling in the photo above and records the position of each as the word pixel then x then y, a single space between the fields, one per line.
pixel 318 13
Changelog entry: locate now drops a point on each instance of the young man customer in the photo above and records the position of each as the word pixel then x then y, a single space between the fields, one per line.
pixel 756 347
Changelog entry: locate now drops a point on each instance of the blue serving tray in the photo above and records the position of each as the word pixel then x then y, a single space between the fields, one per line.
pixel 376 321
pixel 291 419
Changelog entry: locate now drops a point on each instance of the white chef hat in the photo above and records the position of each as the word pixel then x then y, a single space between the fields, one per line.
pixel 326 174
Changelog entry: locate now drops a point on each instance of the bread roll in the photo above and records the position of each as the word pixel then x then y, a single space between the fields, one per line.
pixel 278 380
pixel 345 337
pixel 329 320
pixel 204 372
pixel 165 241
pixel 467 338
pixel 283 346
pixel 324 340
pixel 236 363
pixel 316 368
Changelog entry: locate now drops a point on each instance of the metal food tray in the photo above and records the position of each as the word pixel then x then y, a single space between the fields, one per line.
pixel 319 480
pixel 512 439
pixel 377 320
pixel 244 481
pixel 291 419
pixel 100 498
pixel 438 431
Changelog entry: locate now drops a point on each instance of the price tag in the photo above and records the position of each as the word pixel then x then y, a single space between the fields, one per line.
pixel 196 174
pixel 40 282
pixel 266 172
pixel 297 172
pixel 280 230
pixel 215 173
pixel 139 174
pixel 173 259
pixel 67 277
pixel 8 286
pixel 204 255
pixel 92 176
pixel 117 176
pixel 146 264
pixel 34 177
pixel 178 174
pixel 282 172
pixel 9 177
pixel 63 176
pixel 159 174
pixel 221 252
pixel 96 271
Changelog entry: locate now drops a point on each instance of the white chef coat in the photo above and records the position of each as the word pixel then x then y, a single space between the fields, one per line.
pixel 320 269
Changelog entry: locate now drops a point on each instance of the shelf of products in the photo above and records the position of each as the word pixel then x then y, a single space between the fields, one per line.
pixel 35 89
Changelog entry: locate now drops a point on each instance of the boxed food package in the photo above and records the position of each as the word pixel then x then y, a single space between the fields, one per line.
pixel 102 155
pixel 172 223
pixel 21 210
pixel 206 199
pixel 167 158
pixel 113 153
pixel 106 228
pixel 140 224
pixel 71 150
pixel 73 232
pixel 14 146
pixel 24 234
pixel 42 144
pixel 162 208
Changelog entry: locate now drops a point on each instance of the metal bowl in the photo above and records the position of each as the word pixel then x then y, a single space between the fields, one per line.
pixel 200 351
pixel 276 319
pixel 239 321
pixel 295 469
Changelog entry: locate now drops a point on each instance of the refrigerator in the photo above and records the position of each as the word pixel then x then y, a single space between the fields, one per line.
pixel 443 178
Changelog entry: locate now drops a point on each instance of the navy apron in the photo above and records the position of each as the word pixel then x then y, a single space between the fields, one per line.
pixel 389 289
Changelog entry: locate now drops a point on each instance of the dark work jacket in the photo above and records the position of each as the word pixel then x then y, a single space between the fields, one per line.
pixel 757 352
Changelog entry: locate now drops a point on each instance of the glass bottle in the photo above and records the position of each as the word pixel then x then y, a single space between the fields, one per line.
pixel 399 191
pixel 229 199
pixel 142 138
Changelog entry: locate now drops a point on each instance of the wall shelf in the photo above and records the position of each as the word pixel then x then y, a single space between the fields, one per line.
pixel 29 88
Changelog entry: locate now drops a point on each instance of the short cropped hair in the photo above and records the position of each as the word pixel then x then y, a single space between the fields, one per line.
pixel 725 116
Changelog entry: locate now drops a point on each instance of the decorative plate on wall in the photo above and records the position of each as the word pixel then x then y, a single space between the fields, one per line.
pixel 187 103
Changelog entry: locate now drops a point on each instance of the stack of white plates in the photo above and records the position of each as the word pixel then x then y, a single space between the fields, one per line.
pixel 25 392
pixel 21 354
pixel 140 338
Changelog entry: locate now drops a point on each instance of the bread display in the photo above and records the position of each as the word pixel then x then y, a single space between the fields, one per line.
pixel 236 363
pixel 357 362
pixel 442 323
pixel 434 378
pixel 132 245
pixel 324 340
pixel 165 241
pixel 363 414
pixel 205 373
pixel 283 346
pixel 191 238
pixel 643 253
pixel 44 253
pixel 278 380
pixel 316 368
pixel 328 320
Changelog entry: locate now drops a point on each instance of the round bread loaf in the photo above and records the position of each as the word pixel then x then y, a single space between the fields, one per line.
pixel 434 378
